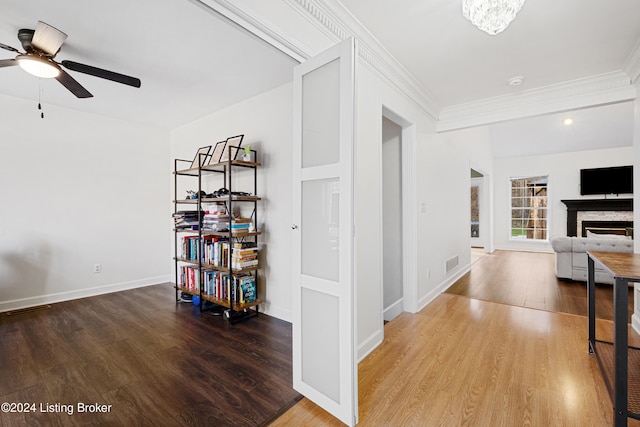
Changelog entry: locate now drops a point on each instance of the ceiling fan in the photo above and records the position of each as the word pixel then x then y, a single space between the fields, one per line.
pixel 41 46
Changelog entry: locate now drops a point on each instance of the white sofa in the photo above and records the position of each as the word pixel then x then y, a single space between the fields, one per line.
pixel 571 255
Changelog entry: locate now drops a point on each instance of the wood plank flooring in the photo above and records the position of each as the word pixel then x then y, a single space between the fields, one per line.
pixel 463 361
pixel 153 361
pixel 527 279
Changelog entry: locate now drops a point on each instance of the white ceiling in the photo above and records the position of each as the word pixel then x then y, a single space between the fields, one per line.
pixel 193 62
pixel 550 42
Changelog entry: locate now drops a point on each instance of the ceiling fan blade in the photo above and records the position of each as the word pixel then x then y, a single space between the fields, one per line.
pixel 47 38
pixel 12 49
pixel 70 83
pixel 8 62
pixel 104 74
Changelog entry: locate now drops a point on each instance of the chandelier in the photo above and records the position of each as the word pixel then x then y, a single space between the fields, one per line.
pixel 491 16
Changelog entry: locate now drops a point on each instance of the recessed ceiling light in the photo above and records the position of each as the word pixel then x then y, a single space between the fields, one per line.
pixel 568 121
pixel 515 81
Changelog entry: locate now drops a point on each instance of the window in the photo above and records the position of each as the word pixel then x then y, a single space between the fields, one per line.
pixel 529 208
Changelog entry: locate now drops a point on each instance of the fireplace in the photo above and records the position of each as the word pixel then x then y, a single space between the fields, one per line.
pixel 623 228
pixel 607 213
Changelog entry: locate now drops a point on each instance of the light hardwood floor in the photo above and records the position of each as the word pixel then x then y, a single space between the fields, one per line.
pixel 468 362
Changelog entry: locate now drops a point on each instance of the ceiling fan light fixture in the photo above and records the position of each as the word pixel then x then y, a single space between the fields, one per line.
pixel 38 66
pixel 491 16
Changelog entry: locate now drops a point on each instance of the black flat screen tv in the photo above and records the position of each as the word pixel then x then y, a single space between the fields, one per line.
pixel 613 180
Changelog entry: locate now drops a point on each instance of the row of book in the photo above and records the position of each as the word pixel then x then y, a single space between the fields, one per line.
pixel 241 288
pixel 188 278
pixel 216 251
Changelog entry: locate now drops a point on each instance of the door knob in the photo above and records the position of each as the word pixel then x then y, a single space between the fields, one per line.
pixel 294 227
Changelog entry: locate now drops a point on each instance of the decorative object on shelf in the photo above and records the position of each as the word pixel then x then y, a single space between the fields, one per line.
pixel 491 16
pixel 246 154
pixel 217 152
pixel 231 149
pixel 201 157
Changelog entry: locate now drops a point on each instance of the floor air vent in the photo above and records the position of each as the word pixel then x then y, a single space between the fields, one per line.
pixel 27 310
pixel 451 264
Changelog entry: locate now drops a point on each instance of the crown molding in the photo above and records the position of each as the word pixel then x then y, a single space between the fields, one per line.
pixel 335 20
pixel 632 65
pixel 591 91
pixel 251 21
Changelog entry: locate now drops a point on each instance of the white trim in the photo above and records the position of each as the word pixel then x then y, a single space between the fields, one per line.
pixel 338 23
pixel 425 300
pixel 370 344
pixel 632 64
pixel 603 89
pixel 409 208
pixel 17 304
pixel 393 310
pixel 251 21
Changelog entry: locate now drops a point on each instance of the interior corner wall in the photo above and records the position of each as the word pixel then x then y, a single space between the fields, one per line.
pixel 79 189
pixel 266 121
pixel 563 171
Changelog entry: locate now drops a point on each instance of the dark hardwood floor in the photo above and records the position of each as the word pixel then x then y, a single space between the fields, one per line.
pixel 146 361
pixel 527 279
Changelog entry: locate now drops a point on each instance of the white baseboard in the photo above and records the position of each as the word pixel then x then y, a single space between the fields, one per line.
pixel 370 344
pixel 393 310
pixel 277 312
pixel 17 304
pixel 425 300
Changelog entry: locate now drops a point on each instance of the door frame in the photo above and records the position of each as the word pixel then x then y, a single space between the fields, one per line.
pixel 409 210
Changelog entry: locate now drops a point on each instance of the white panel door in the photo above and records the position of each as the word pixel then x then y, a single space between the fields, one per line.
pixel 324 356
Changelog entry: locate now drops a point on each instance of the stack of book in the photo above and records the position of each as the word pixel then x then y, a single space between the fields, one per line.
pixel 187 220
pixel 217 220
pixel 240 225
pixel 244 255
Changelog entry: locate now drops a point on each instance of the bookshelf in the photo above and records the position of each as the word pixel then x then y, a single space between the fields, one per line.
pixel 216 236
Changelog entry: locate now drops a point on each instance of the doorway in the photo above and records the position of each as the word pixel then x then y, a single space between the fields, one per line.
pixel 392 226
pixel 477 227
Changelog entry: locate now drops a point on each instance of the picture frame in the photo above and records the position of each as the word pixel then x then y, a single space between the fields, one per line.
pixel 231 148
pixel 201 157
pixel 217 152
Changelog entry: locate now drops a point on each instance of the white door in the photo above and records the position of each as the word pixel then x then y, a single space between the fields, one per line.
pixel 324 356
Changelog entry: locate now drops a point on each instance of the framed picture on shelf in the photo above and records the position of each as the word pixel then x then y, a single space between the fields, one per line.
pixel 232 148
pixel 201 157
pixel 216 154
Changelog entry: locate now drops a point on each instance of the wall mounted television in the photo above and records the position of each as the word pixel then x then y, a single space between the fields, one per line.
pixel 613 180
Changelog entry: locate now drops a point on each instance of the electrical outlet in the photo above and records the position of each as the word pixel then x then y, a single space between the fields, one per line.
pixel 97 268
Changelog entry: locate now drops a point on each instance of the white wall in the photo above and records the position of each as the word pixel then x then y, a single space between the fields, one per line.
pixel 78 190
pixel 564 183
pixel 266 122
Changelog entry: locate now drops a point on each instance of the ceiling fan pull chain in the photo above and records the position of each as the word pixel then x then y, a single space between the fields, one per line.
pixel 40 98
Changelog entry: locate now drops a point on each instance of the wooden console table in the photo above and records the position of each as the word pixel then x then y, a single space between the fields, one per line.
pixel 614 358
